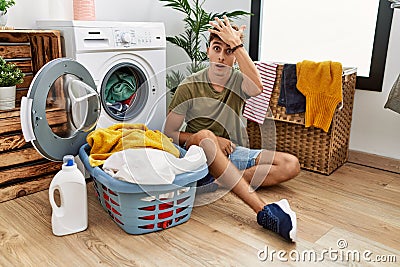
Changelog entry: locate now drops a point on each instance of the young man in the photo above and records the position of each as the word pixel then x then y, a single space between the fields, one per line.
pixel 210 102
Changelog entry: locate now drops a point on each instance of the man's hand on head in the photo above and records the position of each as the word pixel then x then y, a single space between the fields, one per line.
pixel 224 30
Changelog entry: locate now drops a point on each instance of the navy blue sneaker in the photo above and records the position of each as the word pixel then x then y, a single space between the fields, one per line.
pixel 206 185
pixel 279 218
pixel 206 180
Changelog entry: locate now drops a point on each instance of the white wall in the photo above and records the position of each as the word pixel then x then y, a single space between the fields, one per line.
pixel 374 129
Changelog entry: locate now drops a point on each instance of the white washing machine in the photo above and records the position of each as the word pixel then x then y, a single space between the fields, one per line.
pixel 67 97
pixel 115 53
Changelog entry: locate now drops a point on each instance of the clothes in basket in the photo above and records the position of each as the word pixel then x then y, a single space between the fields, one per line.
pixel 152 166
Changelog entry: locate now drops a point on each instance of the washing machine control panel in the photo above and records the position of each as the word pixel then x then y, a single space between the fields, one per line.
pixel 134 37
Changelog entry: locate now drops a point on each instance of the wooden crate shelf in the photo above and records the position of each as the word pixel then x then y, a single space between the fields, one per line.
pixel 23 170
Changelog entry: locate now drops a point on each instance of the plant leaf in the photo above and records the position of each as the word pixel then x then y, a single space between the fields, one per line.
pixel 174 78
pixel 192 68
pixel 185 41
pixel 180 5
pixel 234 14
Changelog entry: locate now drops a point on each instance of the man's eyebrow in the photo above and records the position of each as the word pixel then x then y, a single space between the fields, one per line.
pixel 217 42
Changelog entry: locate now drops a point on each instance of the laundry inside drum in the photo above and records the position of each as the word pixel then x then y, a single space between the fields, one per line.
pixel 124 92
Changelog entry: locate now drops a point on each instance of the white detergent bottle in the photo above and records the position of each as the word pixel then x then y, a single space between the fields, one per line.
pixel 71 216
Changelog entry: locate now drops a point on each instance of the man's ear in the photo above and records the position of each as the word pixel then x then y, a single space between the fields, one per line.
pixel 208 48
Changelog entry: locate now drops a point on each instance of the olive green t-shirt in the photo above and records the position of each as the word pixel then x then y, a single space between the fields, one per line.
pixel 205 108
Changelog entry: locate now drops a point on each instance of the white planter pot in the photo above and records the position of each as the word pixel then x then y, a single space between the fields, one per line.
pixel 7 97
pixel 3 18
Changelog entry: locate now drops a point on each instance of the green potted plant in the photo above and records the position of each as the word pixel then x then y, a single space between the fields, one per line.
pixel 196 23
pixel 10 76
pixel 4 6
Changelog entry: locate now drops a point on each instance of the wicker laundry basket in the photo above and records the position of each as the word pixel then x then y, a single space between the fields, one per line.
pixel 317 150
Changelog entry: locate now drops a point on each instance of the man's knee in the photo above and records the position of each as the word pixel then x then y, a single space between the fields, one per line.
pixel 205 134
pixel 292 166
pixel 197 138
pixel 288 165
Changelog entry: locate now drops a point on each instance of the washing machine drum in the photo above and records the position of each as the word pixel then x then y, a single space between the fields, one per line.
pixel 61 107
pixel 124 91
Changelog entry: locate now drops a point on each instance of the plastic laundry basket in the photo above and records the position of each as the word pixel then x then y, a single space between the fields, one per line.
pixel 143 209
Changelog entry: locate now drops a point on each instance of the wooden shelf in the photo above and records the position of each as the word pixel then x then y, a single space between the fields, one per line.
pixel 22 169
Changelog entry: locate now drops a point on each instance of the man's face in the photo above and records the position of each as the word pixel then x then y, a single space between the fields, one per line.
pixel 221 57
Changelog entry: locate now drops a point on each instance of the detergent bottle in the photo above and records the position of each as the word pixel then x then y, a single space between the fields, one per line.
pixel 71 215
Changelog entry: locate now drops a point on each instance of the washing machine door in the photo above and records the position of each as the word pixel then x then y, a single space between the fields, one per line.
pixel 62 106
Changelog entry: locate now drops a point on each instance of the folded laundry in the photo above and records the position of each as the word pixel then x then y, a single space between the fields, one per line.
pixel 256 107
pixel 290 97
pixel 321 84
pixel 393 101
pixel 149 166
pixel 106 141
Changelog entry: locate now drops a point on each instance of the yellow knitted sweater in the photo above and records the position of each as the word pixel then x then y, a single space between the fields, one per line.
pixel 105 141
pixel 321 84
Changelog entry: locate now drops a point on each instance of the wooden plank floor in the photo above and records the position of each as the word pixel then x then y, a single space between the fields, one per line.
pixel 356 207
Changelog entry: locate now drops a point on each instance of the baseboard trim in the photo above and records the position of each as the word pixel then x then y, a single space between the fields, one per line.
pixel 375 161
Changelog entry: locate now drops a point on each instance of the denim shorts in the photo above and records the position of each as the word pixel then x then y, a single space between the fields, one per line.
pixel 242 157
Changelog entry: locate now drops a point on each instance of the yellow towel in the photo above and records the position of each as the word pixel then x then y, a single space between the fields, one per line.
pixel 321 84
pixel 105 141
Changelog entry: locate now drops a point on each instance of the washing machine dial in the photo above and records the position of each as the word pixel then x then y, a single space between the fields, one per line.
pixel 125 37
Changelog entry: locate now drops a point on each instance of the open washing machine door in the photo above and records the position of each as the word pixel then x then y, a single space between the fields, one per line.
pixel 61 108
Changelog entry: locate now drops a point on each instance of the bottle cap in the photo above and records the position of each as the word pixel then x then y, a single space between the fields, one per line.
pixel 68 160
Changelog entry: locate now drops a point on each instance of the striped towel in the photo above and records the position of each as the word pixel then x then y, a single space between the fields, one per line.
pixel 256 107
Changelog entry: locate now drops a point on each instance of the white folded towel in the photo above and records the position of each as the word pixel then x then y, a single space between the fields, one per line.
pixel 152 166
